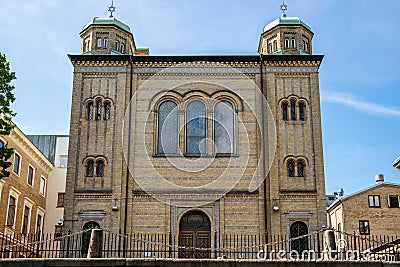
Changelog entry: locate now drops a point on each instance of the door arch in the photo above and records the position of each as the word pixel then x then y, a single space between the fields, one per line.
pixel 195 232
pixel 87 227
pixel 299 229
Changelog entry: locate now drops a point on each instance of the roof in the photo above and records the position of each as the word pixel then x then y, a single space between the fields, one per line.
pixel 284 20
pixel 108 21
pixel 396 163
pixel 340 199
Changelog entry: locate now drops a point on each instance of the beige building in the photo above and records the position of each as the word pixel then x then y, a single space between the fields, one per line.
pixel 396 163
pixel 196 145
pixel 371 211
pixel 23 193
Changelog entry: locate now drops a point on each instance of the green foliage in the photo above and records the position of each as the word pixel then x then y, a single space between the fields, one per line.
pixel 6 114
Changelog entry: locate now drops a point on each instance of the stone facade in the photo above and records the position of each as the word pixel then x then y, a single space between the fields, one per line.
pixel 31 194
pixel 346 213
pixel 127 91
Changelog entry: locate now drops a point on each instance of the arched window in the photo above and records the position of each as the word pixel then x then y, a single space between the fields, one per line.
pixel 275 45
pixel 90 111
pixel 285 111
pixel 271 49
pixel 299 229
pixel 100 169
pixel 196 129
pixel 122 48
pixel 117 46
pixel 293 109
pixel 168 128
pixel 224 135
pixel 293 43
pixel 90 168
pixel 287 43
pixel 105 43
pixel 107 111
pixel 290 168
pixel 301 111
pixel 304 45
pixel 99 42
pixel 300 169
pixel 98 110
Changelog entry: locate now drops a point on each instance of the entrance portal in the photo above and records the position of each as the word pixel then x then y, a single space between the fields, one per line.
pixel 195 234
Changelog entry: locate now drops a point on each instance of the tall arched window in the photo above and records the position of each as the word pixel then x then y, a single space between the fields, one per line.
pixel 196 129
pixel 167 128
pixel 285 111
pixel 300 169
pixel 105 43
pixel 293 109
pixel 107 111
pixel 271 49
pixel 99 42
pixel 122 48
pixel 224 133
pixel 100 169
pixel 98 110
pixel 275 45
pixel 90 168
pixel 287 43
pixel 290 168
pixel 116 45
pixel 299 229
pixel 293 43
pixel 301 111
pixel 90 111
pixel 304 45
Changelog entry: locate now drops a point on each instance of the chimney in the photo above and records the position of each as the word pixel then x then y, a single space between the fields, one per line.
pixel 379 178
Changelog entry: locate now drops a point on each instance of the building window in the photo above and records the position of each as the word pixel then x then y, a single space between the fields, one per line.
pixel 224 136
pixel 11 211
pixel 17 164
pixel 293 43
pixel 117 46
pixel 287 43
pixel 25 221
pixel 58 231
pixel 374 201
pixel 301 111
pixel 196 129
pixel 99 42
pixel 285 111
pixel 90 168
pixel 293 110
pixel 271 49
pixel 122 48
pixel 290 168
pixel 90 110
pixel 98 110
pixel 107 111
pixel 297 230
pixel 60 200
pixel 39 224
pixel 300 169
pixel 63 161
pixel 31 175
pixel 42 189
pixel 364 227
pixel 167 128
pixel 105 43
pixel 275 45
pixel 100 169
pixel 393 201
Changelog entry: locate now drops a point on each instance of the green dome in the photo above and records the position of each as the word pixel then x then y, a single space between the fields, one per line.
pixel 284 20
pixel 108 21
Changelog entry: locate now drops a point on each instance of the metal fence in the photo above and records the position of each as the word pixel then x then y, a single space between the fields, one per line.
pixel 314 246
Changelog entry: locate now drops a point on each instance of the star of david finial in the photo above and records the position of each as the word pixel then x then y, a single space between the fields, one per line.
pixel 283 7
pixel 111 9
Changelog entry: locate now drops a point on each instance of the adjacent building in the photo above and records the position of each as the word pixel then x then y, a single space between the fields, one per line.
pixel 196 146
pixel 371 211
pixel 396 163
pixel 23 193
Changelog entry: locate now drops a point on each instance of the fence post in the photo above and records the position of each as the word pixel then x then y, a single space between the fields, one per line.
pixel 170 243
pixel 68 241
pixel 96 244
pixel 266 244
pixel 355 245
pixel 215 245
pixel 319 246
pixel 330 245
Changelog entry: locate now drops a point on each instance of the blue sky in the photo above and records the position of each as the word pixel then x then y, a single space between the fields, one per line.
pixel 359 76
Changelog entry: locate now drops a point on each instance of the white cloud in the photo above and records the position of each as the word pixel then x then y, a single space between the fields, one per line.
pixel 355 102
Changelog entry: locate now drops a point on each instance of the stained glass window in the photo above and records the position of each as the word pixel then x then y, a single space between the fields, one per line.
pixel 290 167
pixel 100 169
pixel 285 111
pixel 98 110
pixel 196 129
pixel 300 169
pixel 90 111
pixel 224 128
pixel 293 110
pixel 168 128
pixel 90 168
pixel 301 111
pixel 107 111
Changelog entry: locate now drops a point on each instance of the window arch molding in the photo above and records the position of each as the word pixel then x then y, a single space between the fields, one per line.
pixel 162 97
pixel 94 158
pixel 91 165
pixel 228 96
pixel 300 115
pixel 300 164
